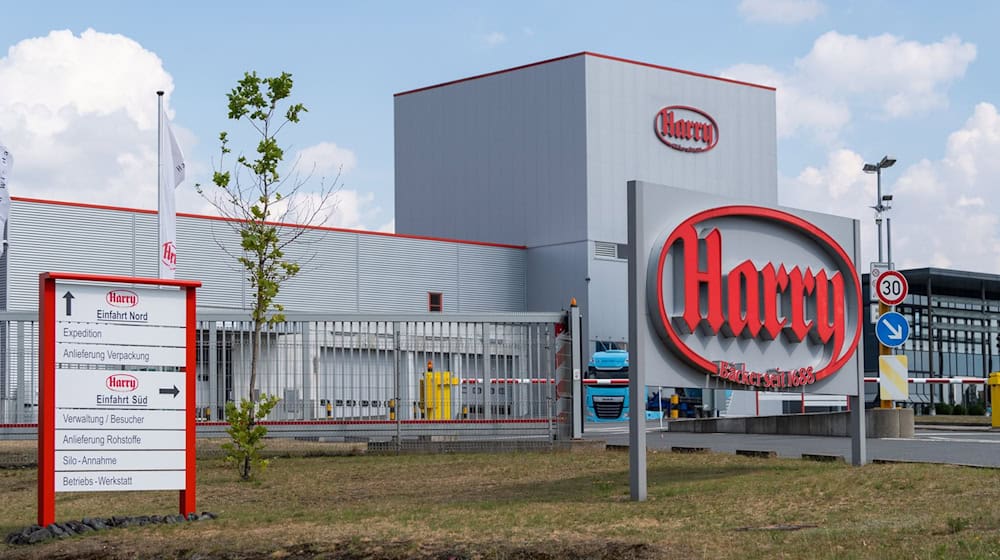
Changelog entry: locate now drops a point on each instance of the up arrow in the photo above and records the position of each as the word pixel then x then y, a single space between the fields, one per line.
pixel 68 296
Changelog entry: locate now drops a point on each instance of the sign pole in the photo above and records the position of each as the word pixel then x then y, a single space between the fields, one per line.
pixel 46 399
pixel 187 495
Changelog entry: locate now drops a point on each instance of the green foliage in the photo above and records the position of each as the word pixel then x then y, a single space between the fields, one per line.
pixel 942 408
pixel 957 524
pixel 257 99
pixel 958 410
pixel 255 194
pixel 976 410
pixel 247 435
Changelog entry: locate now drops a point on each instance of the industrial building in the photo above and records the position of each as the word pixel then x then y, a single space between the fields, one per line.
pixel 510 197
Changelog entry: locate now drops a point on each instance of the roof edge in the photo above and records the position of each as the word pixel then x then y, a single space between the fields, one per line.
pixel 280 224
pixel 586 53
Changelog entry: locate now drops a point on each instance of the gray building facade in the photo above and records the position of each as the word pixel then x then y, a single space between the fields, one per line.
pixel 539 156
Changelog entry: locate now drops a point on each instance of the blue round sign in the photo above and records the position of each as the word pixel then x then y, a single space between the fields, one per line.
pixel 892 329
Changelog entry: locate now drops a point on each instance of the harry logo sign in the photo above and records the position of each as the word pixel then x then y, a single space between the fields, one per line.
pixel 727 297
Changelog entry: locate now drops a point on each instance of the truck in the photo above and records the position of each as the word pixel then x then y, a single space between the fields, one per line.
pixel 606 392
pixel 606 387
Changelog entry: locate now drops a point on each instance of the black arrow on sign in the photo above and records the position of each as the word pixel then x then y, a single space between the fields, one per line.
pixel 68 296
pixel 170 391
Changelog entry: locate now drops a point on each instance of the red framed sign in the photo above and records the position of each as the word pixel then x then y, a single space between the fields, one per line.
pixel 891 287
pixel 116 386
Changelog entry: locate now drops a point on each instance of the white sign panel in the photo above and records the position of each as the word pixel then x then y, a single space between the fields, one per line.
pixel 120 419
pixel 133 306
pixel 105 481
pixel 100 354
pixel 117 390
pixel 111 333
pixel 876 270
pixel 114 419
pixel 100 440
pixel 84 461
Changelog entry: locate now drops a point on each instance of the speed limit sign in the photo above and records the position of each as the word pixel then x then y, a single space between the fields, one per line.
pixel 891 287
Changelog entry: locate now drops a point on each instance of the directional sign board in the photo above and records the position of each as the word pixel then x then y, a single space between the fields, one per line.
pixel 892 329
pixel 891 287
pixel 117 384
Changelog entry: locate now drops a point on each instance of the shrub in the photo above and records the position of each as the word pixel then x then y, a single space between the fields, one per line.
pixel 976 410
pixel 958 410
pixel 942 408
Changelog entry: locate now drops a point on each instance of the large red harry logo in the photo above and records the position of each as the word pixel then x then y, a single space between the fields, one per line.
pixel 686 129
pixel 751 294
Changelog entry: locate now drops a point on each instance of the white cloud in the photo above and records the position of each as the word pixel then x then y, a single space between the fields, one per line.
pixel 906 77
pixel 325 159
pixel 79 114
pixel 841 73
pixel 781 11
pixel 798 108
pixel 945 212
pixel 495 38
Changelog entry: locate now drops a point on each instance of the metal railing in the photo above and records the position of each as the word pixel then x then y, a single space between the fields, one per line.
pixel 380 378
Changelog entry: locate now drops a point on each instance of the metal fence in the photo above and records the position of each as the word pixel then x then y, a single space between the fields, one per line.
pixel 376 378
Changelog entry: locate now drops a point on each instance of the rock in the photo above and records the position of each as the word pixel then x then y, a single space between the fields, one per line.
pixel 208 515
pixel 42 534
pixel 192 516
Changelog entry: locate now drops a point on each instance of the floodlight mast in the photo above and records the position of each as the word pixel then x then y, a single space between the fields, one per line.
pixel 882 203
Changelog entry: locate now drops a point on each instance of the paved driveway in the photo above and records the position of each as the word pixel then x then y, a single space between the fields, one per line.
pixel 957 446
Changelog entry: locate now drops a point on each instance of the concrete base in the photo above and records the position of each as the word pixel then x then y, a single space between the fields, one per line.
pixel 879 423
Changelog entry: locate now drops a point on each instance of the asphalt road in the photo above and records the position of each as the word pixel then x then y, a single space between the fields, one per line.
pixel 961 445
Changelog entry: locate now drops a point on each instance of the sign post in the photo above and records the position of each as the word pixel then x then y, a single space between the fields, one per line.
pixel 116 387
pixel 891 328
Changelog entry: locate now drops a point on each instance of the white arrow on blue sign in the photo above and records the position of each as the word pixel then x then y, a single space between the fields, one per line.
pixel 892 330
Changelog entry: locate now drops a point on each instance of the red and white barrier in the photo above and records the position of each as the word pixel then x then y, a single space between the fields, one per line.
pixel 938 380
pixel 508 381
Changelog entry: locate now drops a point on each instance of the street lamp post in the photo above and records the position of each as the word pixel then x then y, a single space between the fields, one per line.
pixel 882 204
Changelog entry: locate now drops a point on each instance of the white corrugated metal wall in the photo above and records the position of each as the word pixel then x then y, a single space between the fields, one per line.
pixel 342 271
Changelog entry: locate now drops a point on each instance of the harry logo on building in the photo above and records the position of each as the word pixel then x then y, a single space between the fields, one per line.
pixel 686 129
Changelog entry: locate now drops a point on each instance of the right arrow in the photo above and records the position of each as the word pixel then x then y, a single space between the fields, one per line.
pixel 170 391
pixel 68 296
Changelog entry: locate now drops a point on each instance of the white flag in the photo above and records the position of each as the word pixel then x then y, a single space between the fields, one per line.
pixel 6 164
pixel 171 175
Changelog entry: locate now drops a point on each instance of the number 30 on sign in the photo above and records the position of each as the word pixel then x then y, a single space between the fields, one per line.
pixel 891 287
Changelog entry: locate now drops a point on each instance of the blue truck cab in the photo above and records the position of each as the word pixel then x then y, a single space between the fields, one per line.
pixel 604 401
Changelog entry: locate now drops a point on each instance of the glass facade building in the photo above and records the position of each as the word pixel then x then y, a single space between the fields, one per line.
pixel 954 321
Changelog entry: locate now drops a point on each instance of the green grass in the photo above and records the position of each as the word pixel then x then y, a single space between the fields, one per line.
pixel 558 505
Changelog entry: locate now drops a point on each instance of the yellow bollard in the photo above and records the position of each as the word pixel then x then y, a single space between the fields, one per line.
pixel 995 397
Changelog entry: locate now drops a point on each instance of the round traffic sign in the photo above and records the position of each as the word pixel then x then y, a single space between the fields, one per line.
pixel 891 287
pixel 892 329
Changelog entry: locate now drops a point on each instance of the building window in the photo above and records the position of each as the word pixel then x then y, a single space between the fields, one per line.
pixel 434 302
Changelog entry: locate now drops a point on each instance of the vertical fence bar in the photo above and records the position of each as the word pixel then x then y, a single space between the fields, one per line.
pixel 23 389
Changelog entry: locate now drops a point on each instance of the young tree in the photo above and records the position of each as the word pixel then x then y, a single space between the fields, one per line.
pixel 259 198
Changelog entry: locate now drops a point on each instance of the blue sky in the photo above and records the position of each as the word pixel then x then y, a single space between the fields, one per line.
pixel 856 80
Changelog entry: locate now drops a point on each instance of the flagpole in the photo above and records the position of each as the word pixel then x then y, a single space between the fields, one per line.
pixel 159 177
